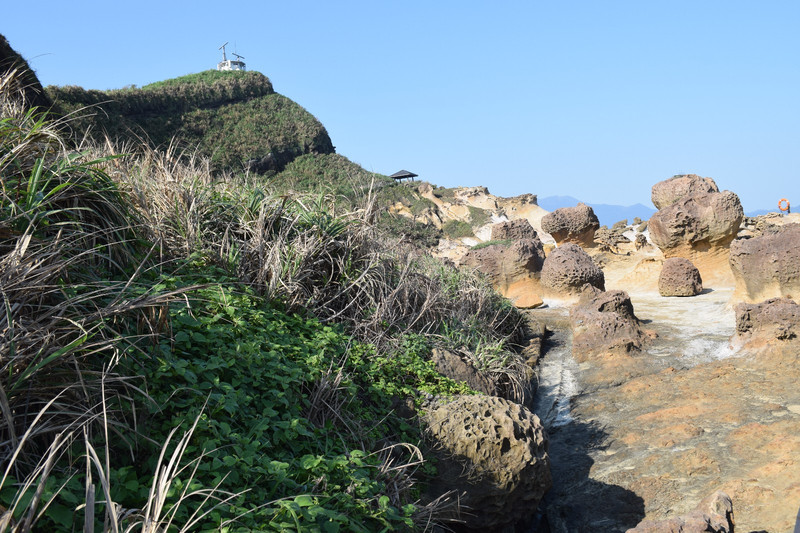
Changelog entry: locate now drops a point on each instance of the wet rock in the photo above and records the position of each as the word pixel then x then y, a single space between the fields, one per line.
pixel 568 268
pixel 667 192
pixel 774 323
pixel 604 323
pixel 572 224
pixel 453 366
pixel 513 230
pixel 767 266
pixel 696 223
pixel 514 270
pixel 493 453
pixel 679 277
pixel 713 515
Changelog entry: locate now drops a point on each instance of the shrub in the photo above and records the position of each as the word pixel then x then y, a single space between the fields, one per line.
pixel 457 229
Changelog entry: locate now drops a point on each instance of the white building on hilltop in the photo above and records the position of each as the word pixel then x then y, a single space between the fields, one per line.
pixel 230 64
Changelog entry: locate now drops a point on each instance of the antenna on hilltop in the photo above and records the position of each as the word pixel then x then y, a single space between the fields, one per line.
pixel 230 64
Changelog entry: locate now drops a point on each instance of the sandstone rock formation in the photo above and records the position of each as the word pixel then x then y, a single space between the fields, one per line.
pixel 513 269
pixel 513 230
pixel 604 323
pixel 767 266
pixel 493 453
pixel 667 192
pixel 567 269
pixel 696 222
pixel 774 323
pixel 713 515
pixel 572 224
pixel 700 228
pixel 679 277
pixel 455 367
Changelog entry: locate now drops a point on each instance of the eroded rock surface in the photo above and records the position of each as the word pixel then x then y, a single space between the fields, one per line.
pixel 774 323
pixel 767 266
pixel 568 268
pixel 514 230
pixel 696 223
pixel 572 224
pixel 679 277
pixel 514 269
pixel 453 366
pixel 603 323
pixel 493 453
pixel 667 192
pixel 713 515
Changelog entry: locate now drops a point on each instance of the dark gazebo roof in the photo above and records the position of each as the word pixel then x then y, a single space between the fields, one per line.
pixel 403 174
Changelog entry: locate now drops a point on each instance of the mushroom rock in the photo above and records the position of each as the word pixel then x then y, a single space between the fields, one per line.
pixel 513 230
pixel 567 269
pixel 767 266
pixel 572 224
pixel 667 192
pixel 700 228
pixel 493 453
pixel 679 277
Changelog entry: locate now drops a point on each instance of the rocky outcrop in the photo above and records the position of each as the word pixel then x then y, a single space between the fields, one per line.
pixel 455 367
pixel 679 277
pixel 513 269
pixel 513 230
pixel 696 222
pixel 572 224
pixel 767 266
pixel 667 192
pixel 493 453
pixel 24 80
pixel 713 515
pixel 604 323
pixel 567 269
pixel 774 323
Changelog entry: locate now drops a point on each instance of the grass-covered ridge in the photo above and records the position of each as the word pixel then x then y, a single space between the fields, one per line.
pixel 232 117
pixel 210 356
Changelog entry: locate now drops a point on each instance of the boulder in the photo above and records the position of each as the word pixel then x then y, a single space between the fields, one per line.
pixel 604 323
pixel 455 367
pixel 667 192
pixel 568 268
pixel 513 230
pixel 679 277
pixel 713 515
pixel 514 269
pixel 572 224
pixel 773 324
pixel 493 453
pixel 696 223
pixel 767 266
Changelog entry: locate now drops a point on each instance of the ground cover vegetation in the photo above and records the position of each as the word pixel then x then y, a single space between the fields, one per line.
pixel 187 349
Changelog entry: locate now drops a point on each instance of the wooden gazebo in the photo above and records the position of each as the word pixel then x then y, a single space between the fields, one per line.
pixel 403 174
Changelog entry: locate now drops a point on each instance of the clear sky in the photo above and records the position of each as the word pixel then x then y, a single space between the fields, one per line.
pixel 597 99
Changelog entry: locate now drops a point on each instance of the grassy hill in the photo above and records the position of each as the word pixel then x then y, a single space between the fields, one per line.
pixel 231 117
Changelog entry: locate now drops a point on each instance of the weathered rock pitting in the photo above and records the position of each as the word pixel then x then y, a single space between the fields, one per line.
pixel 667 192
pixel 572 224
pixel 767 266
pixel 567 269
pixel 493 453
pixel 679 277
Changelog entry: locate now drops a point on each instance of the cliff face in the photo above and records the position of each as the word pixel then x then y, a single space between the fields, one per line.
pixel 235 118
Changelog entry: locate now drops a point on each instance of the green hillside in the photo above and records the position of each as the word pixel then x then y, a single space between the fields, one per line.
pixel 231 117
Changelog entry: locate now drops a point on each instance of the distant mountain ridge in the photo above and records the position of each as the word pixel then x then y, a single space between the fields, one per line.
pixel 608 214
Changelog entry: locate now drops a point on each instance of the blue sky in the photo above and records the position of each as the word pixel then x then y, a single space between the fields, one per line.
pixel 594 99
